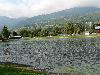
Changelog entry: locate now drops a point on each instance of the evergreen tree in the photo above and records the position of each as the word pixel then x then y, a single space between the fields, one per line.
pixel 5 33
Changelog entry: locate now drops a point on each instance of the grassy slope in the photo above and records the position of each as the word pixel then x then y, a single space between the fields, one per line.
pixel 9 69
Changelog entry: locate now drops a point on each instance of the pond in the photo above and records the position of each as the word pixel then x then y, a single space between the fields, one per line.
pixel 51 53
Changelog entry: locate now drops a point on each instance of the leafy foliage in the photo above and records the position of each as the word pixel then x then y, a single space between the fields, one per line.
pixel 79 28
pixel 56 30
pixel 14 33
pixel 68 28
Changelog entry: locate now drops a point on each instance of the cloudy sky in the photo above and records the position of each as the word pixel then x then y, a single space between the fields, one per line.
pixel 29 8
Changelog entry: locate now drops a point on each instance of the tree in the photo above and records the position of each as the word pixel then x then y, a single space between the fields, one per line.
pixel 44 32
pixel 56 30
pixel 68 28
pixel 14 33
pixel 24 32
pixel 92 28
pixel 79 28
pixel 5 33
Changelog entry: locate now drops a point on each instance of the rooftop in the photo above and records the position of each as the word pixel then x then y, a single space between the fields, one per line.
pixel 97 27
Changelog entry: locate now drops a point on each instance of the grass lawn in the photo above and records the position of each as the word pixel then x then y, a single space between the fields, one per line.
pixel 11 69
pixel 59 36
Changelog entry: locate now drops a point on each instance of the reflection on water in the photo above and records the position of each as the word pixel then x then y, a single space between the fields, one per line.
pixel 51 53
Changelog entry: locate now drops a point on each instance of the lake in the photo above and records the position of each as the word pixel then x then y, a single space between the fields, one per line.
pixel 52 53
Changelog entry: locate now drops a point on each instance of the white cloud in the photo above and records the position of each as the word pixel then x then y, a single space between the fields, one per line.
pixel 28 8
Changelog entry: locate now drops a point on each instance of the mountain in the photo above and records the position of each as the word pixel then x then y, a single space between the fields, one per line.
pixel 10 22
pixel 77 14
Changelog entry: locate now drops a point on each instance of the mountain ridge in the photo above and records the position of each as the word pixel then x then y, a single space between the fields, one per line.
pixel 77 14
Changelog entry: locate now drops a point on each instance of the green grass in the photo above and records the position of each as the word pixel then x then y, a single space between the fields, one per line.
pixel 97 34
pixel 59 36
pixel 10 69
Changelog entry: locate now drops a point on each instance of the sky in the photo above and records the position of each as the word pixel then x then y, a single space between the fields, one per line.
pixel 30 8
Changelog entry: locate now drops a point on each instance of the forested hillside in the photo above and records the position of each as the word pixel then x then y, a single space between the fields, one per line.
pixel 79 14
pixel 75 15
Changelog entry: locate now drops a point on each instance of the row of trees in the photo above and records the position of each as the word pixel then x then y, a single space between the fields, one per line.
pixel 42 31
pixel 53 30
pixel 39 31
pixel 78 28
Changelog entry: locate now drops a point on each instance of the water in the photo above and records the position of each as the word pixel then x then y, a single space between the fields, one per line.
pixel 51 53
